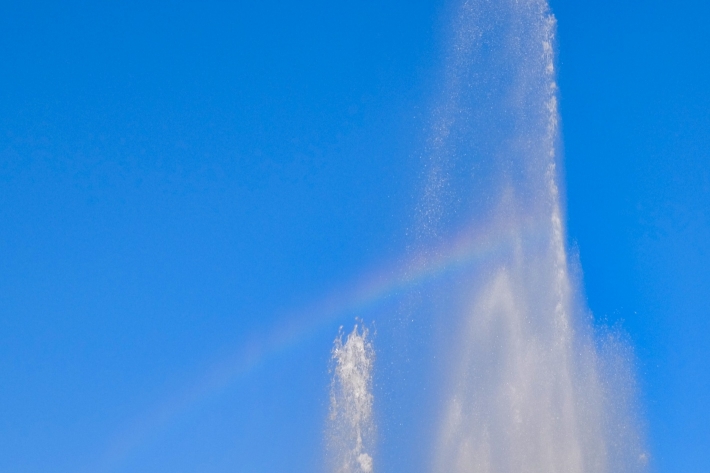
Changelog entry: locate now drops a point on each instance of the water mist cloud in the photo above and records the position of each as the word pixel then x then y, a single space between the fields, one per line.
pixel 521 382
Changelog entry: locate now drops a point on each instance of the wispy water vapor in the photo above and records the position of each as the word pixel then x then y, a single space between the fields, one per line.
pixel 508 371
pixel 528 388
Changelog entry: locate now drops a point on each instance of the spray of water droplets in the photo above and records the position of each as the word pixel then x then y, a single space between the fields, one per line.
pixel 522 380
pixel 351 430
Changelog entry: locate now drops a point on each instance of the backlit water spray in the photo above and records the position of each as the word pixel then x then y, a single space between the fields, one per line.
pixel 508 371
pixel 352 430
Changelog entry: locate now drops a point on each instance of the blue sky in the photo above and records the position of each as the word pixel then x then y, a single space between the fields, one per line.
pixel 177 179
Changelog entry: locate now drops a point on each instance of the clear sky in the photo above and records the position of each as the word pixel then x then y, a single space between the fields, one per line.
pixel 177 179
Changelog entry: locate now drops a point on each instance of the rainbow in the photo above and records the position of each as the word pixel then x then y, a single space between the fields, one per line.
pixel 469 248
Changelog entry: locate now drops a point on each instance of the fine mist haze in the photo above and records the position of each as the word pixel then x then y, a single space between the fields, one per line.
pixel 493 364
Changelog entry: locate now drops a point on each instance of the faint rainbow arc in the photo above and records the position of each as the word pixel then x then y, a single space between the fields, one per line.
pixel 468 248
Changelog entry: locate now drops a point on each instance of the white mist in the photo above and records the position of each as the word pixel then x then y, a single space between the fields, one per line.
pixel 522 383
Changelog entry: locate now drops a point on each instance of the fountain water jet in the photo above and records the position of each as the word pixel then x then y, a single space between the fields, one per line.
pixel 352 429
pixel 522 382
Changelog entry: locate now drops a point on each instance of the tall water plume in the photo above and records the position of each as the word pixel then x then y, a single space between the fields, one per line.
pixel 517 378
